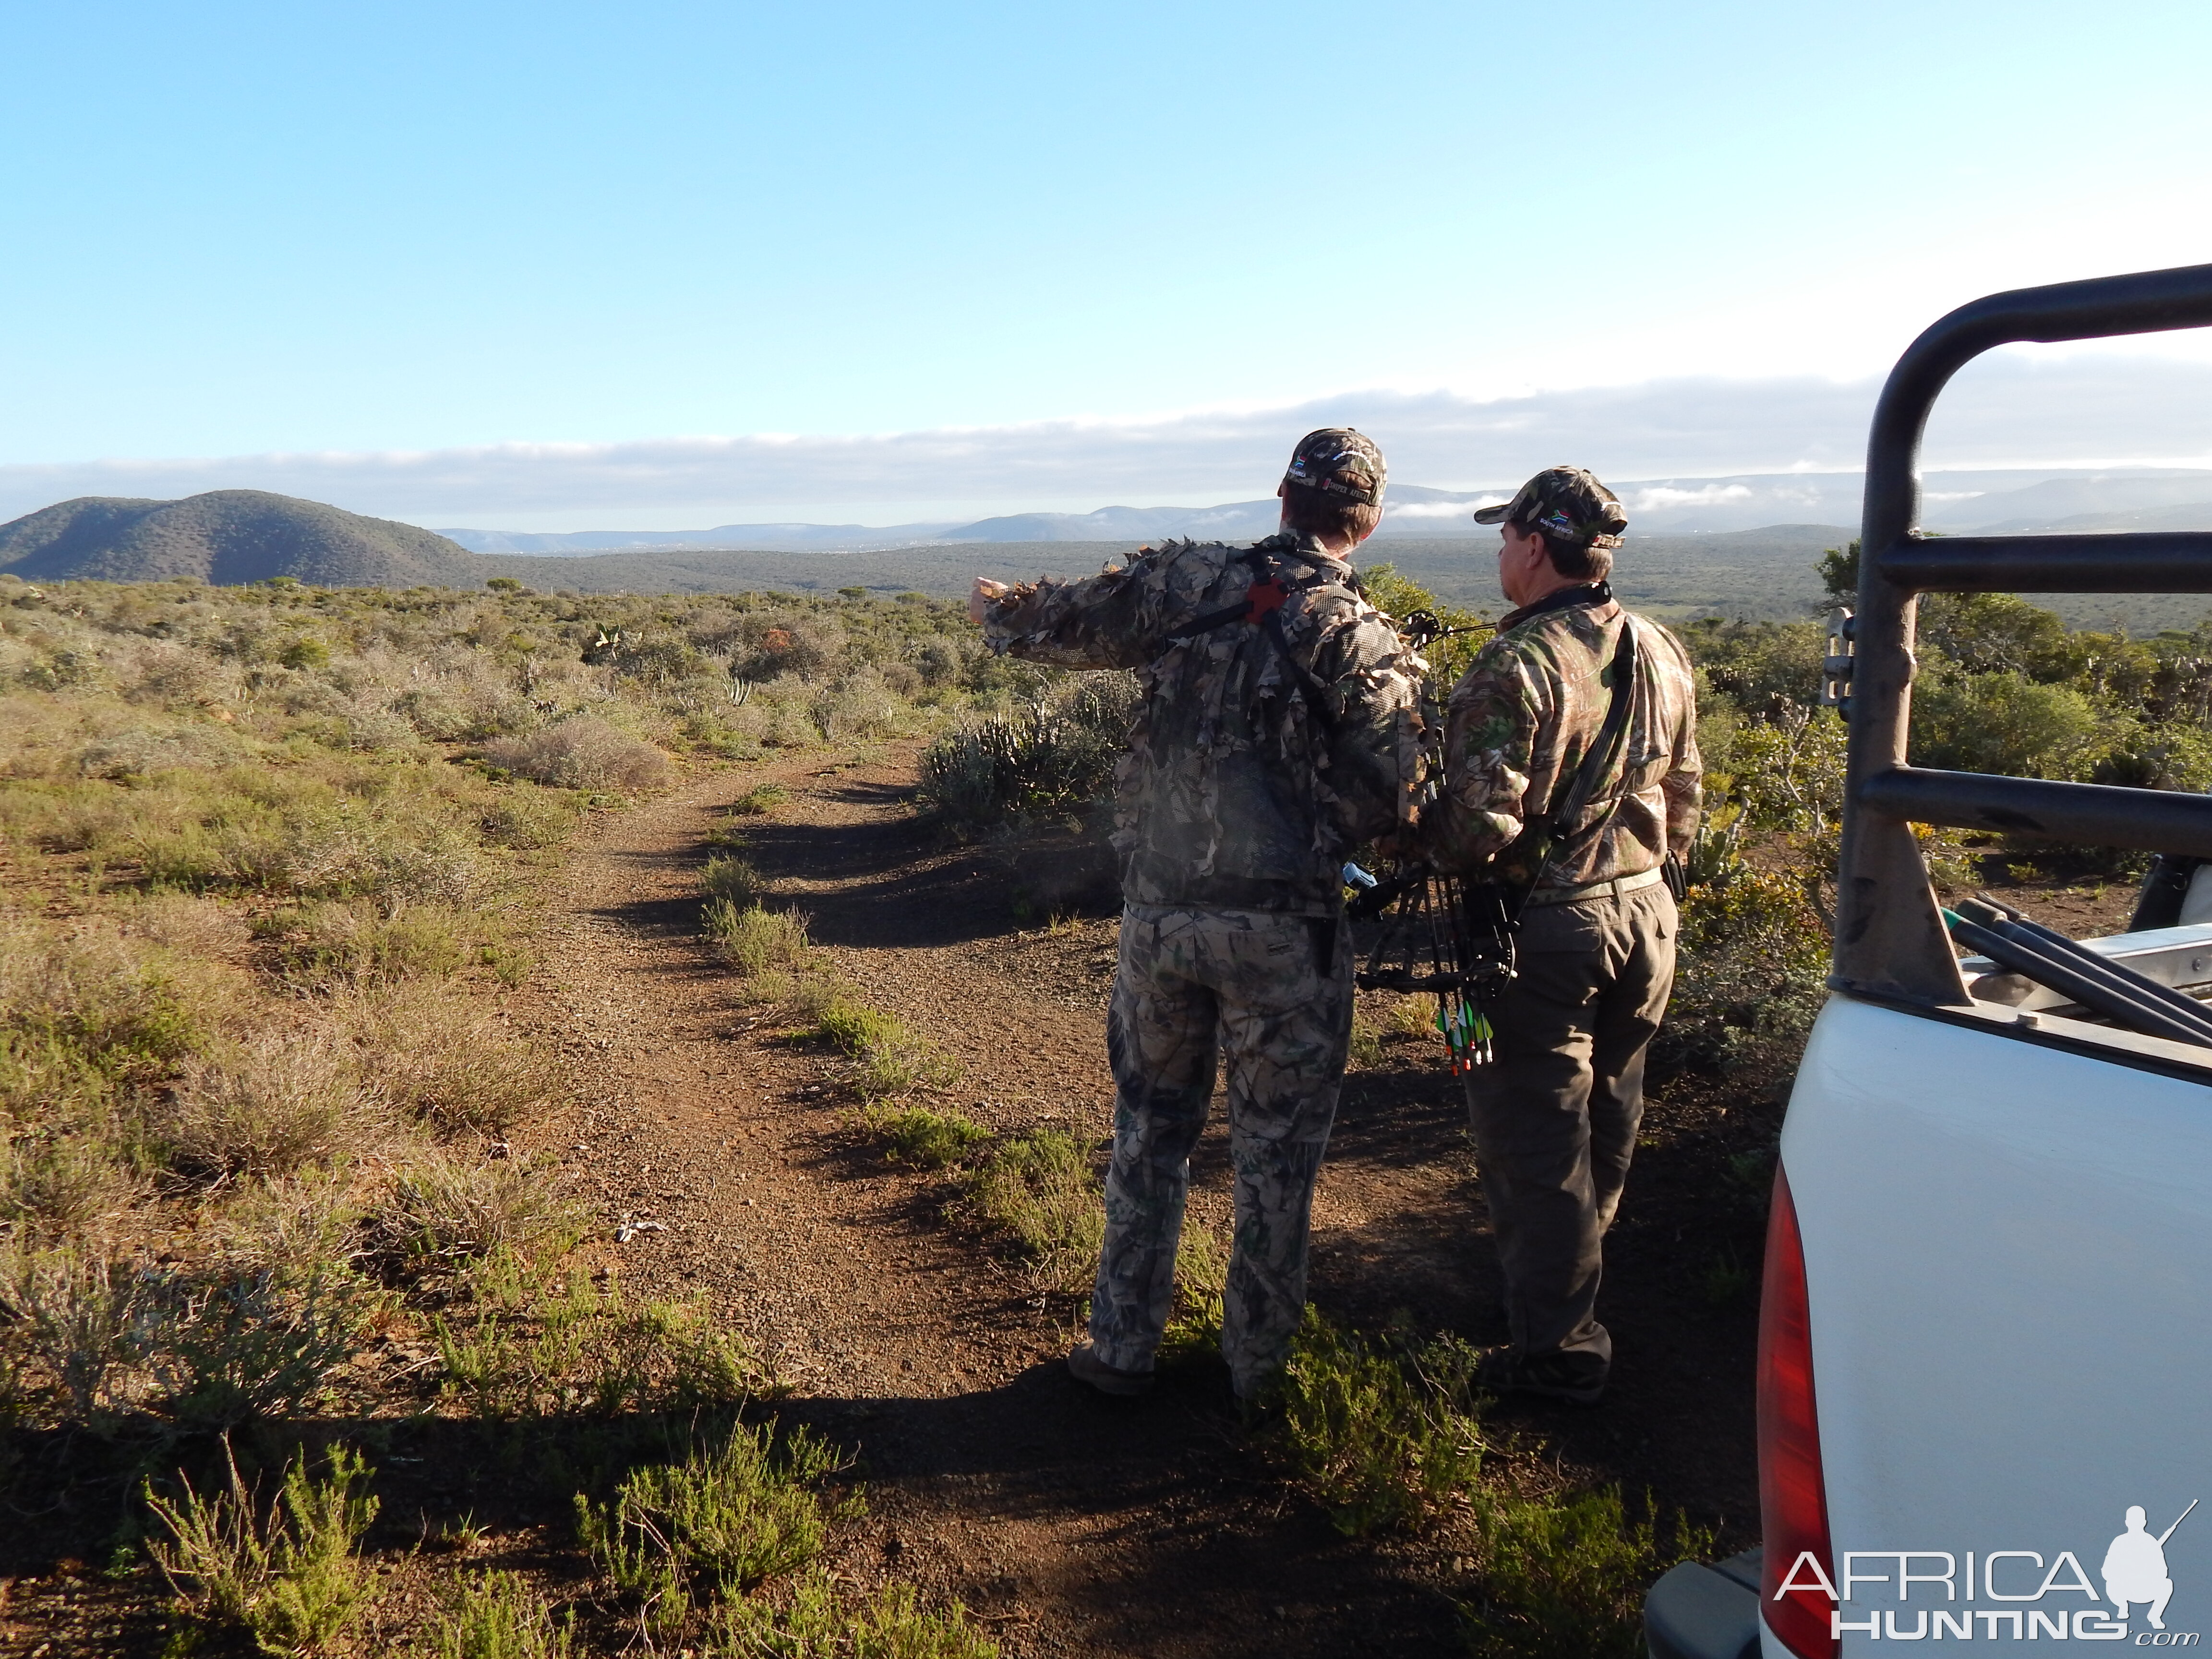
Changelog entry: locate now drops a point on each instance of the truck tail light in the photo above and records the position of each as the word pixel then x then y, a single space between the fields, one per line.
pixel 1793 1501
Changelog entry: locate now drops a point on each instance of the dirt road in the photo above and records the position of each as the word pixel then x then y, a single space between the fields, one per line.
pixel 1074 1524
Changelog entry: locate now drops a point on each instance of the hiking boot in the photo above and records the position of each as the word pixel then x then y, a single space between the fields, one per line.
pixel 1576 1379
pixel 1084 1366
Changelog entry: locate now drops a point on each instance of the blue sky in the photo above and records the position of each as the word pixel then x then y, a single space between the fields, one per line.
pixel 235 228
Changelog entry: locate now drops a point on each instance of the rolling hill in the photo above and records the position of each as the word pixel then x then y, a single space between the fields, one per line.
pixel 227 537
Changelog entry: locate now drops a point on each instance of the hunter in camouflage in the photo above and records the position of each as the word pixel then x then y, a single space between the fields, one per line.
pixel 1279 729
pixel 1555 1116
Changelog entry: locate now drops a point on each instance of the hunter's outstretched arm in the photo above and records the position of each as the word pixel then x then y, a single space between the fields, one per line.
pixel 1109 621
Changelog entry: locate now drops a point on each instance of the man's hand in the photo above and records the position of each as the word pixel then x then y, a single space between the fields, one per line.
pixel 982 597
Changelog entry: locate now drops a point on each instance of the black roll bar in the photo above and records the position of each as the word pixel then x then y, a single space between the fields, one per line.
pixel 1890 937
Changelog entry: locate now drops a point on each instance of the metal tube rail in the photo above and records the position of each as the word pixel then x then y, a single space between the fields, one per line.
pixel 1890 936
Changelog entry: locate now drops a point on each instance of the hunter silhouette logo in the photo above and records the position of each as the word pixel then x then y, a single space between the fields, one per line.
pixel 2134 1571
pixel 2135 1566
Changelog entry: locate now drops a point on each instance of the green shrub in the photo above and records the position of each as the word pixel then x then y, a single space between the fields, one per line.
pixel 2001 722
pixel 932 1139
pixel 1564 1576
pixel 816 1618
pixel 330 943
pixel 1383 1452
pixel 1040 1189
pixel 289 1576
pixel 753 940
pixel 731 1516
pixel 1053 756
pixel 760 797
pixel 891 1057
pixel 1749 979
pixel 586 1351
pixel 495 1616
pixel 731 880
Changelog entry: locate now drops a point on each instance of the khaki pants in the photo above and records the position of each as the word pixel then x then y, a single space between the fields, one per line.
pixel 1555 1117
pixel 1272 996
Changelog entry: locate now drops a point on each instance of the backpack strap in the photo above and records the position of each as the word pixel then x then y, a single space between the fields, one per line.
pixel 1262 606
pixel 1554 830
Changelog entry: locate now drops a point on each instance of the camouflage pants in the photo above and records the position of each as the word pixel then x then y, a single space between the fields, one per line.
pixel 1272 994
pixel 1555 1117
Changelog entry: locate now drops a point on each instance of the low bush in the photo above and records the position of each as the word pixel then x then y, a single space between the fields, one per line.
pixel 752 939
pixel 760 797
pixel 891 1057
pixel 288 1575
pixel 1749 980
pixel 1201 1288
pixel 204 1350
pixel 932 1139
pixel 443 1213
pixel 446 1062
pixel 1563 1575
pixel 581 752
pixel 731 880
pixel 1040 1189
pixel 267 1106
pixel 524 1353
pixel 731 1516
pixel 1056 755
pixel 340 942
pixel 817 1618
pixel 63 1184
pixel 495 1616
pixel 1383 1452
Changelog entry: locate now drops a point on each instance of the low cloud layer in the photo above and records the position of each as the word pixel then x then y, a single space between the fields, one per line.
pixel 2004 412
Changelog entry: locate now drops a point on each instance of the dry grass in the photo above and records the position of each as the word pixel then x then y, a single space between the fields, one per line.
pixel 65 1184
pixel 447 1061
pixel 582 752
pixel 268 1106
pixel 443 1213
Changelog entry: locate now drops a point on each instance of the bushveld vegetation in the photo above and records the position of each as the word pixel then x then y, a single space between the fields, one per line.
pixel 270 853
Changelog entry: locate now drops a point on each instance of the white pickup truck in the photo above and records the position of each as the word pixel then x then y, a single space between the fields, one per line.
pixel 1985 1362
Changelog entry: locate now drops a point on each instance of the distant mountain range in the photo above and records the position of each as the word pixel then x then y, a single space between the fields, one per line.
pixel 1760 569
pixel 2013 499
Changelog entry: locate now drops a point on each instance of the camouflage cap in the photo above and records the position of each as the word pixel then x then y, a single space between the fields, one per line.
pixel 1338 461
pixel 1566 501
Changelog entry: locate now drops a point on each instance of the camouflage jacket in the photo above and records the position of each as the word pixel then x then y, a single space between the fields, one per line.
pixel 1233 794
pixel 1518 724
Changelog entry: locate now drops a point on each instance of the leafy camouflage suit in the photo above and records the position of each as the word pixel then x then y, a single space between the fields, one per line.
pixel 1555 1116
pixel 1235 809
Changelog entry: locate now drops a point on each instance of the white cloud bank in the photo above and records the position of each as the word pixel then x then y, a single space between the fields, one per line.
pixel 2011 409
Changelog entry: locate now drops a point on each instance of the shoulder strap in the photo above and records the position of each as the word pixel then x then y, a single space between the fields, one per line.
pixel 1262 605
pixel 1550 830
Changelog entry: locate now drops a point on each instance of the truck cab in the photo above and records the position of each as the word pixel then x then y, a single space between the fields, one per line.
pixel 1986 1367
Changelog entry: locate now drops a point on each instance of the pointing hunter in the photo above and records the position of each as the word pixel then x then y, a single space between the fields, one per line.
pixel 1279 729
pixel 1570 676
